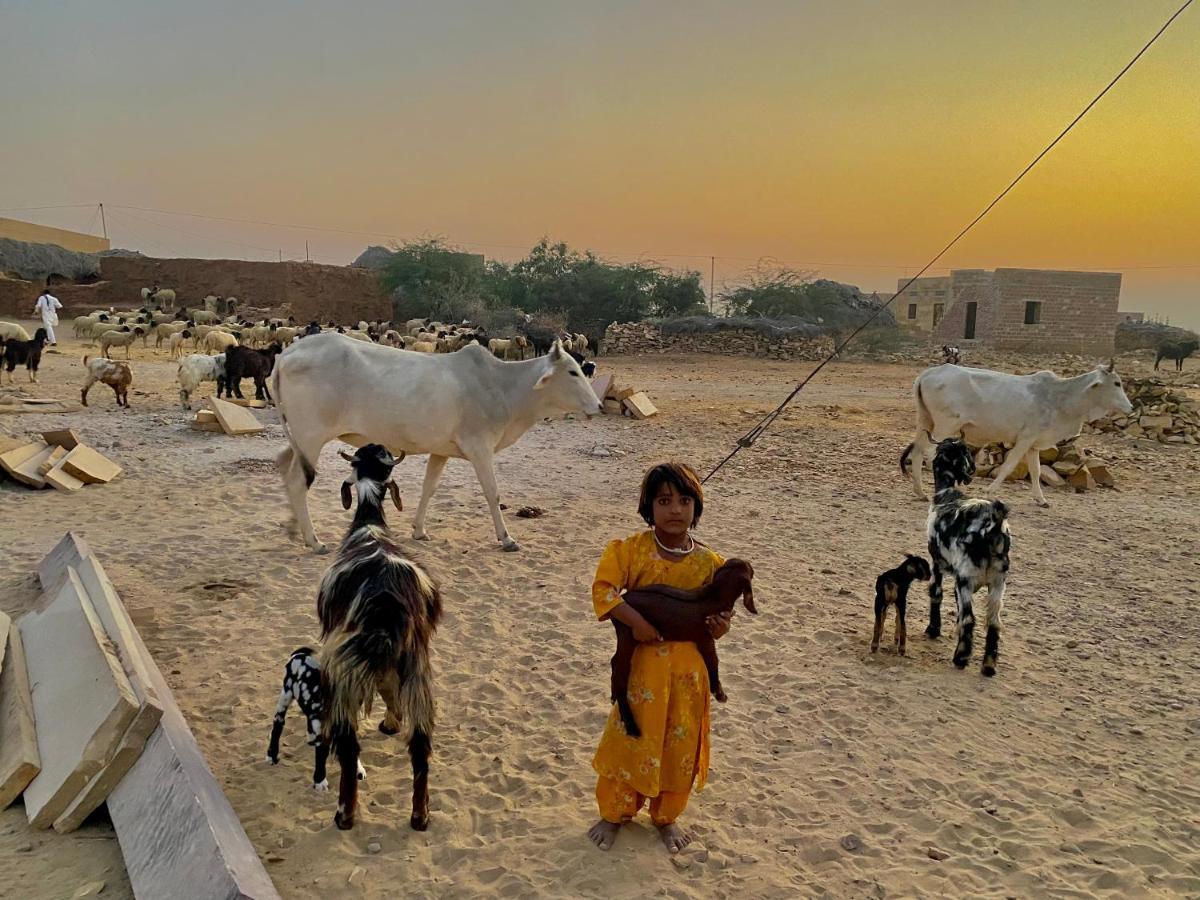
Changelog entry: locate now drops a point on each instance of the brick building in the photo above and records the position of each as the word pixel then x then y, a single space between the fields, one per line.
pixel 1016 309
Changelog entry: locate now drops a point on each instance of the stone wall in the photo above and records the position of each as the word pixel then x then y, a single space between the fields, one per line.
pixel 637 338
pixel 308 290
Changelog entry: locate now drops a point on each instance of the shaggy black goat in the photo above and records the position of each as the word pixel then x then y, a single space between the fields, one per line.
pixel 891 589
pixel 968 538
pixel 378 611
pixel 26 353
pixel 951 355
pixel 242 362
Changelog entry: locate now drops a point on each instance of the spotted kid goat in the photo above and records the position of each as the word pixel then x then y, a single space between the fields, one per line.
pixel 378 611
pixel 968 538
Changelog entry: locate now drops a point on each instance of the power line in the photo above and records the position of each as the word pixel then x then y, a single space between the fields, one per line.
pixel 271 250
pixel 748 439
pixel 32 208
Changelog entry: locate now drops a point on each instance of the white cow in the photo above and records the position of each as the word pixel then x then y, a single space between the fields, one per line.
pixel 1030 412
pixel 466 405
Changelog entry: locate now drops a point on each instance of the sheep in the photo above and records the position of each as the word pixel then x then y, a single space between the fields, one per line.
pixel 358 336
pixel 241 362
pixel 500 348
pixel 891 588
pixel 392 338
pixel 378 612
pixel 175 343
pixel 164 330
pixel 116 375
pixel 412 326
pixel 120 338
pixel 199 332
pixel 162 297
pixel 82 325
pixel 204 316
pixel 219 341
pixel 579 343
pixel 1176 350
pixel 29 353
pixel 11 331
pixel 968 538
pixel 680 615
pixel 423 347
pixel 195 369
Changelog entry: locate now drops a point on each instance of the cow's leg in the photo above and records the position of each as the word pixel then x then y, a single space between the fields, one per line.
pixel 433 474
pixel 296 483
pixel 995 604
pixel 1010 463
pixel 922 449
pixel 1033 462
pixel 481 459
pixel 966 622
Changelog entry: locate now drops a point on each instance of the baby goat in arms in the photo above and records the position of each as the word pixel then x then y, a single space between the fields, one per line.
pixel 680 615
pixel 891 589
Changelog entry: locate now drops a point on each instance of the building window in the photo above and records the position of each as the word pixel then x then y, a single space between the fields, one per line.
pixel 939 310
pixel 1033 312
pixel 912 310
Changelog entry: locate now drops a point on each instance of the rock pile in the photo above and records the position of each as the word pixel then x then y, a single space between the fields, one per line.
pixel 1159 412
pixel 634 338
pixel 1066 466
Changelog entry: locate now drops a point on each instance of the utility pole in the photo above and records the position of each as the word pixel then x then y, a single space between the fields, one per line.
pixel 281 254
pixel 307 258
pixel 103 224
pixel 712 279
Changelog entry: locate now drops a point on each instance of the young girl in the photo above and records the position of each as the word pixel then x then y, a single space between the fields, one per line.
pixel 668 684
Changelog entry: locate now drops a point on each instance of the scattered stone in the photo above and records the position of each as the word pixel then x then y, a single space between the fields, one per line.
pixel 374 847
pixel 357 875
pixel 935 853
pixel 851 842
pixel 680 861
pixel 91 889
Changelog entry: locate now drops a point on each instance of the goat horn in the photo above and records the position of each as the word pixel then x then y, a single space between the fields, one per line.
pixel 346 456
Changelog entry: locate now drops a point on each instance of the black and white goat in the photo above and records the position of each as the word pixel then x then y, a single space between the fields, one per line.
pixel 302 684
pixel 378 611
pixel 969 539
pixel 891 589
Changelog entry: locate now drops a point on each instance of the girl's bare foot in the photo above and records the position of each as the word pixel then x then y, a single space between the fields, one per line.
pixel 603 834
pixel 674 837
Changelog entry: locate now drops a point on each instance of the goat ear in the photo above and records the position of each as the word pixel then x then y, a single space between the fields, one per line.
pixel 395 491
pixel 748 600
pixel 345 495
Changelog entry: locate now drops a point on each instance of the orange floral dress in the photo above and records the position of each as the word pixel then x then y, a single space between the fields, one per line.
pixel 668 683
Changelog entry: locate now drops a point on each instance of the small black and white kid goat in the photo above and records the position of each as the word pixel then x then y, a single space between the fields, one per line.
pixel 302 684
pixel 969 539
pixel 378 611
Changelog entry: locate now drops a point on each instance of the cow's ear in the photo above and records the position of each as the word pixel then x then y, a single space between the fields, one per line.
pixel 556 351
pixel 543 381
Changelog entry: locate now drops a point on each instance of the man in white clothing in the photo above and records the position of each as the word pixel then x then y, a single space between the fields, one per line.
pixel 47 307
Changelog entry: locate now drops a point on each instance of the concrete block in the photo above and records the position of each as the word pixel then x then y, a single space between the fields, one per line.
pixel 27 471
pixel 120 630
pixel 19 760
pixel 640 406
pixel 56 453
pixel 234 419
pixel 601 385
pixel 82 700
pixel 61 481
pixel 8 444
pixel 65 438
pixel 89 466
pixel 71 550
pixel 175 825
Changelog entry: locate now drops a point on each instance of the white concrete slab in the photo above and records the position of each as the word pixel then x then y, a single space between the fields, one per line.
pixel 82 700
pixel 19 760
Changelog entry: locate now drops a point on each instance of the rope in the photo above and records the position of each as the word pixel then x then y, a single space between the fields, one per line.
pixel 751 436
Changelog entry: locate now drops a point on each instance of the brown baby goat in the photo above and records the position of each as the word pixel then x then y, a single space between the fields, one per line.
pixel 680 615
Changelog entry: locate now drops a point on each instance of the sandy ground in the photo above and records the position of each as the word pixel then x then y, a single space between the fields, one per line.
pixel 1073 773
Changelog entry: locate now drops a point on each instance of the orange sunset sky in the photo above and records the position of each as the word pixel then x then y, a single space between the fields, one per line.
pixel 854 138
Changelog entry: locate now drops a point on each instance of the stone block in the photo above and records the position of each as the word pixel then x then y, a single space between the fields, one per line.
pixel 175 825
pixel 640 406
pixel 234 419
pixel 1082 481
pixel 601 385
pixel 17 456
pixel 71 550
pixel 65 438
pixel 82 700
pixel 56 453
pixel 119 628
pixel 27 472
pixel 19 759
pixel 89 466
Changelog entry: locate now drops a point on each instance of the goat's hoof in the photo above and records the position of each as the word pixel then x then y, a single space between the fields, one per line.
pixel 343 823
pixel 320 549
pixel 900 650
pixel 961 661
pixel 321 785
pixel 508 545
pixel 384 728
pixel 419 821
pixel 874 648
pixel 421 537
pixel 361 772
pixel 1044 504
pixel 720 695
pixel 933 633
pixel 989 669
pixel 273 760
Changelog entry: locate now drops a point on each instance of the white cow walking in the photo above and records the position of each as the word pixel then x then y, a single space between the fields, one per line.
pixel 468 405
pixel 1030 412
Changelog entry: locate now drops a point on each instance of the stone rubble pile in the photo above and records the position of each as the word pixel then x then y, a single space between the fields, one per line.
pixel 1065 466
pixel 636 338
pixel 1160 413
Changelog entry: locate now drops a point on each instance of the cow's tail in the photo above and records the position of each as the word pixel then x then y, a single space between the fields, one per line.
pixel 292 452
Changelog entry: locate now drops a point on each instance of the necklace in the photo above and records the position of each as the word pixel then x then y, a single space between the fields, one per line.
pixel 672 550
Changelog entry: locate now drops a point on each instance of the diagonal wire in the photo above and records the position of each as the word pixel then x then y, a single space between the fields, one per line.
pixel 748 439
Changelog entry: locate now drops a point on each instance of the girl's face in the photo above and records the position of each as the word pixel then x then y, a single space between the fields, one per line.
pixel 673 511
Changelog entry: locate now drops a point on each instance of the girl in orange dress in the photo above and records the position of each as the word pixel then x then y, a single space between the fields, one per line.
pixel 668 684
